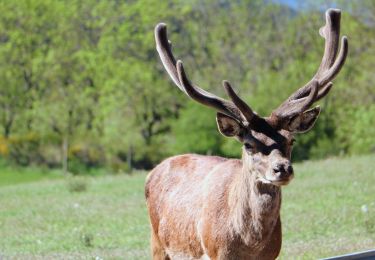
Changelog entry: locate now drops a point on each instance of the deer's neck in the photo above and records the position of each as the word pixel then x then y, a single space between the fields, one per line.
pixel 255 208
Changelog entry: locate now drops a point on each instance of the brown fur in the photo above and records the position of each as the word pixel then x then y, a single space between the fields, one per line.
pixel 211 205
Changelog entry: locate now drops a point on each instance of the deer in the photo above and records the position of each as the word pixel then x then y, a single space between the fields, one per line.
pixel 210 207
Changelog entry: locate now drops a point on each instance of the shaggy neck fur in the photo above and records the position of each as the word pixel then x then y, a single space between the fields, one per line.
pixel 255 207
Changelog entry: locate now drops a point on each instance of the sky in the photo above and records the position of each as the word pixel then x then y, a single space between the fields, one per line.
pixel 291 3
pixel 320 5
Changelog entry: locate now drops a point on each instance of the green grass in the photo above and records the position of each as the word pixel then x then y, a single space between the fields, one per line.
pixel 322 208
pixel 107 219
pixel 11 176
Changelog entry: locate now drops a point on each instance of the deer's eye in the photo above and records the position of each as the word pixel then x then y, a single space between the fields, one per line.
pixel 248 146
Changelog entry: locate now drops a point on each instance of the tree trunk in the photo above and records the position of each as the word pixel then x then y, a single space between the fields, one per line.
pixel 129 158
pixel 64 156
pixel 7 130
pixel 8 125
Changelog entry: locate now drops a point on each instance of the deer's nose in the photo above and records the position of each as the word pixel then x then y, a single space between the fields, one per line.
pixel 283 170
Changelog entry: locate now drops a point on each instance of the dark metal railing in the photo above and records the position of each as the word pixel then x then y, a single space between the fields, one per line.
pixel 365 255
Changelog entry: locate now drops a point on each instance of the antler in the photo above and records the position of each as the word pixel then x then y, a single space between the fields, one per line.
pixel 320 84
pixel 236 109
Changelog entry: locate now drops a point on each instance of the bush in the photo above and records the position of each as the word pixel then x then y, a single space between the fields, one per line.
pixel 22 150
pixel 85 157
pixel 51 154
pixel 195 131
pixel 356 134
pixel 118 164
pixel 362 130
pixel 77 184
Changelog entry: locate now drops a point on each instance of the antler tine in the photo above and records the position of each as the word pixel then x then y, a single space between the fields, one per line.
pixel 330 32
pixel 291 108
pixel 205 97
pixel 163 46
pixel 332 72
pixel 246 111
pixel 329 67
pixel 324 91
pixel 324 77
pixel 177 73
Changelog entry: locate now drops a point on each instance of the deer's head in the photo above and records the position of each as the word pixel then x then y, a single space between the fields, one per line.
pixel 267 141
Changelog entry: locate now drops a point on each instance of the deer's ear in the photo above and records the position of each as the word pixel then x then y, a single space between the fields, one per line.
pixel 227 125
pixel 305 121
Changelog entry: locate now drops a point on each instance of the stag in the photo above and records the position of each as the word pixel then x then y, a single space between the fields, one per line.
pixel 209 207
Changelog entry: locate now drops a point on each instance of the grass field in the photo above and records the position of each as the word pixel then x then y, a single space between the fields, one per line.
pixel 328 209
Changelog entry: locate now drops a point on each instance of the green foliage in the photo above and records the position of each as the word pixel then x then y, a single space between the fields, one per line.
pixel 84 158
pixel 22 150
pixel 231 148
pixel 86 73
pixel 359 136
pixel 363 136
pixel 195 131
